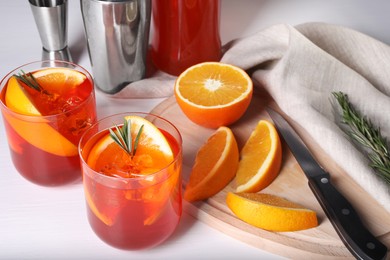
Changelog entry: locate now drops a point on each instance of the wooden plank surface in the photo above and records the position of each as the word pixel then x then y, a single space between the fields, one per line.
pixel 321 242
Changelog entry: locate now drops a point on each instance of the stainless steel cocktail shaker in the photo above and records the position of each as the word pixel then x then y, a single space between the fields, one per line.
pixel 117 35
pixel 51 20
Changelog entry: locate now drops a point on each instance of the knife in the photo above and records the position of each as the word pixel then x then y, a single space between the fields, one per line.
pixel 355 236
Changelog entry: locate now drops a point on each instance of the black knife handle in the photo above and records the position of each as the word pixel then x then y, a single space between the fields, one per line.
pixel 359 241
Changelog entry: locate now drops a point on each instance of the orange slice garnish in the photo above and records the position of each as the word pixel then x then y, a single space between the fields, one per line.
pixel 106 219
pixel 153 152
pixel 17 100
pixel 59 80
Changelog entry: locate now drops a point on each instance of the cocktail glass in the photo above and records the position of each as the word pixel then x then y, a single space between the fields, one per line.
pixel 43 127
pixel 136 212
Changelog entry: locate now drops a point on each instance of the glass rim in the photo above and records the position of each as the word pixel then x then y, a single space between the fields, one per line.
pixel 5 79
pixel 177 156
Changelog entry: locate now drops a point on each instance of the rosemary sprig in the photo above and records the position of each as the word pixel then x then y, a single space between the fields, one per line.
pixel 369 136
pixel 29 80
pixel 122 136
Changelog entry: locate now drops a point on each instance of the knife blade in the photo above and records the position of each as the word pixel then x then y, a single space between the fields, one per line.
pixel 344 218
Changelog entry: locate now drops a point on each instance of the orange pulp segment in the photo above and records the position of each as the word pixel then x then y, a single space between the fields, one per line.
pixel 215 165
pixel 260 160
pixel 271 212
pixel 213 94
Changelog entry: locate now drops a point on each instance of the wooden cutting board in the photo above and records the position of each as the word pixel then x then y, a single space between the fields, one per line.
pixel 321 242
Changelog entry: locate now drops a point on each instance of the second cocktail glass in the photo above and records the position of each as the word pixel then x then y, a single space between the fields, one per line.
pixel 133 201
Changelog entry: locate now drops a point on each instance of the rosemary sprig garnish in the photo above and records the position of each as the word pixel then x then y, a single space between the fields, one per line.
pixel 122 136
pixel 369 136
pixel 30 81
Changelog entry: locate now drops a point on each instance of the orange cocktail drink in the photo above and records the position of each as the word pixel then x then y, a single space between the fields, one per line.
pixel 131 167
pixel 46 107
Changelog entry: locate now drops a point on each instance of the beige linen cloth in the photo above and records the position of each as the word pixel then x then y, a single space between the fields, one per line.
pixel 300 67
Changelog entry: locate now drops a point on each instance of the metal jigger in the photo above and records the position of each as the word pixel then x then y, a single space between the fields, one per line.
pixel 51 20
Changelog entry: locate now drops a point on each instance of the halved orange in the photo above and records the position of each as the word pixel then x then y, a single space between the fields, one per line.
pixel 213 94
pixel 153 152
pixel 215 165
pixel 260 159
pixel 271 212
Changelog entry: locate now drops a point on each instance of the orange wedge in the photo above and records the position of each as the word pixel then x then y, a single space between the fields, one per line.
pixel 48 139
pixel 153 153
pixel 213 94
pixel 17 100
pixel 271 212
pixel 215 166
pixel 260 160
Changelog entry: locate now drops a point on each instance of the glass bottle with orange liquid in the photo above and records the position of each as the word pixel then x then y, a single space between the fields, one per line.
pixel 46 107
pixel 185 32
pixel 133 195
